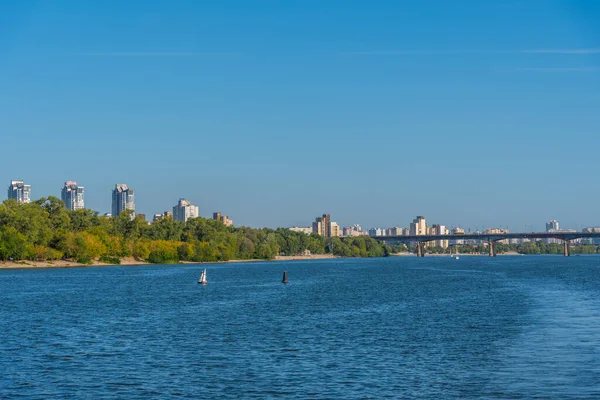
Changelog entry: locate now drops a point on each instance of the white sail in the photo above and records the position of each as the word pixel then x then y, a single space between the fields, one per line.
pixel 203 277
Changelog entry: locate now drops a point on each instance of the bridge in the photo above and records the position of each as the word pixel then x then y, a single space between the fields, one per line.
pixel 492 239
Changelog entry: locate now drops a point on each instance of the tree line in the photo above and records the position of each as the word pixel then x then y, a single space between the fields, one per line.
pixel 45 230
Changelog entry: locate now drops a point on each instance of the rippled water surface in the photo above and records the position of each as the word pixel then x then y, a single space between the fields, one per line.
pixel 431 328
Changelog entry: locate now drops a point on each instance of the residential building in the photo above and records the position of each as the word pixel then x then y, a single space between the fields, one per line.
pixel 354 230
pixel 334 229
pixel 307 230
pixel 552 226
pixel 185 210
pixel 376 232
pixel 440 230
pixel 72 195
pixel 405 232
pixel 322 226
pixel 395 231
pixel 223 218
pixel 418 226
pixel 158 217
pixel 123 199
pixel 19 191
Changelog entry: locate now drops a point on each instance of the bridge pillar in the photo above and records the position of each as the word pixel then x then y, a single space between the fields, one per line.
pixel 492 248
pixel 567 248
pixel 420 249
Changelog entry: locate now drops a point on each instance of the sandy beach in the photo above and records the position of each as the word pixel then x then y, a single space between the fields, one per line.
pixel 130 261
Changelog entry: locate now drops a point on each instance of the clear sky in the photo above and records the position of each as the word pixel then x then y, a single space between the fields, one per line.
pixel 471 113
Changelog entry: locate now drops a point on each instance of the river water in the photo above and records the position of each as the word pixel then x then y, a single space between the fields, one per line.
pixel 431 328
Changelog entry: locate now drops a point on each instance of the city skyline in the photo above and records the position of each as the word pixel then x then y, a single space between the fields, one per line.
pixel 190 210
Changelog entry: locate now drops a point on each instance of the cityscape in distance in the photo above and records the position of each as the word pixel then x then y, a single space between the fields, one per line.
pixel 123 199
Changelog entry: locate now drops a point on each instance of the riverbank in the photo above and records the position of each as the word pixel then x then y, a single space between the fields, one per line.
pixel 130 261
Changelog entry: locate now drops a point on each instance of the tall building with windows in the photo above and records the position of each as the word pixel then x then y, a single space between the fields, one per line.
pixel 72 195
pixel 19 191
pixel 185 210
pixel 123 199
pixel 334 229
pixel 217 216
pixel 440 230
pixel 322 225
pixel 418 226
pixel 552 226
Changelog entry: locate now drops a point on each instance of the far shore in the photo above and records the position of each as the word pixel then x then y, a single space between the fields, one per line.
pixel 130 261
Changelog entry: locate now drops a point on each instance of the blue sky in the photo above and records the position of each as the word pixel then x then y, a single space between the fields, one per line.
pixel 472 113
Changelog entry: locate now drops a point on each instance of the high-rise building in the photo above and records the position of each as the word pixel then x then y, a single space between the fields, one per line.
pixel 376 232
pixel 223 218
pixel 72 195
pixel 322 226
pixel 19 191
pixel 185 210
pixel 418 226
pixel 552 226
pixel 440 230
pixel 334 229
pixel 395 231
pixel 123 199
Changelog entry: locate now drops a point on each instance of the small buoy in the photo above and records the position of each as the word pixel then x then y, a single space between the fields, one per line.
pixel 285 279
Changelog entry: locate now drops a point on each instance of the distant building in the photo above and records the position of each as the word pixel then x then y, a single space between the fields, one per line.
pixel 552 226
pixel 354 230
pixel 122 199
pixel 440 230
pixel 223 218
pixel 592 230
pixel 158 217
pixel 405 232
pixel 458 231
pixel 185 210
pixel 321 225
pixel 72 195
pixel 334 229
pixel 395 231
pixel 418 226
pixel 19 191
pixel 373 232
pixel 307 230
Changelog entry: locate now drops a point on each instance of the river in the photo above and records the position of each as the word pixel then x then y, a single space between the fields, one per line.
pixel 514 327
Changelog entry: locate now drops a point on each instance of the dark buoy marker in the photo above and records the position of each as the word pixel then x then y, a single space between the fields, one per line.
pixel 285 279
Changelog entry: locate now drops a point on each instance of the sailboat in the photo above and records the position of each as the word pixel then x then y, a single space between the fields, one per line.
pixel 202 280
pixel 456 255
pixel 285 279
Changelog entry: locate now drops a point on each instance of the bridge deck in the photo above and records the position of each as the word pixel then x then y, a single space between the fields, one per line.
pixel 492 236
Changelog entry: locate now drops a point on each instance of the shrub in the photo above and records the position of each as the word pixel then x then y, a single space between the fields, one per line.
pixel 110 260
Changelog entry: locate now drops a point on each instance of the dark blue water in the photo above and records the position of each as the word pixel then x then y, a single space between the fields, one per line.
pixel 432 328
